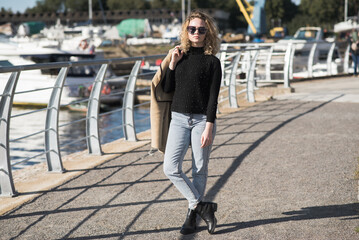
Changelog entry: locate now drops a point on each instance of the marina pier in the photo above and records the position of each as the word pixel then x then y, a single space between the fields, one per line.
pixel 283 163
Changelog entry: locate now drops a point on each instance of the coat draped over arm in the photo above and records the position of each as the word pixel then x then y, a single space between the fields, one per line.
pixel 160 110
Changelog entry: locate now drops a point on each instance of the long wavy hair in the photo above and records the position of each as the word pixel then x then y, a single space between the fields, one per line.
pixel 211 41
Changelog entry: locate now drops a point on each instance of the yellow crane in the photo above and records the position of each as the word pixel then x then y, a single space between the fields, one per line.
pixel 247 13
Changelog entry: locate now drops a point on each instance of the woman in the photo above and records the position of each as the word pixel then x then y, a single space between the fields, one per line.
pixel 194 75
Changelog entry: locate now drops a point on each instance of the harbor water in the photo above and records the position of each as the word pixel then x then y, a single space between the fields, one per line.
pixel 72 132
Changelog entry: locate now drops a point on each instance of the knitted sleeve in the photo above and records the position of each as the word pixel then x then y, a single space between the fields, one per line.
pixel 216 77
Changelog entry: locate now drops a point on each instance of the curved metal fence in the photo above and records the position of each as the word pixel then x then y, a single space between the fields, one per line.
pixel 245 67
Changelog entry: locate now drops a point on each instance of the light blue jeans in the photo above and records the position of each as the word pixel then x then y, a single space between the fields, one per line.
pixel 186 129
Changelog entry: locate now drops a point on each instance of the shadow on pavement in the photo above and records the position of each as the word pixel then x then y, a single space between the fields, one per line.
pixel 346 211
pixel 64 206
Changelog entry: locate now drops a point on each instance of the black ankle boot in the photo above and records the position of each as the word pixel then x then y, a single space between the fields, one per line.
pixel 206 211
pixel 189 225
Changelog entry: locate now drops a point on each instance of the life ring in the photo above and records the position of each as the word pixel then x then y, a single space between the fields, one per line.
pixel 83 44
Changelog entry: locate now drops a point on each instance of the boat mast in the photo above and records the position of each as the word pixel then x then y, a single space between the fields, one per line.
pixel 345 10
pixel 183 11
pixel 90 12
pixel 188 7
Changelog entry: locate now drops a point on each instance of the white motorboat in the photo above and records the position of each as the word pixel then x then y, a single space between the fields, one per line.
pixel 35 79
pixel 78 82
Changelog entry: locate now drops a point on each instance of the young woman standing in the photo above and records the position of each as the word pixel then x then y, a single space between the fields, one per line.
pixel 194 75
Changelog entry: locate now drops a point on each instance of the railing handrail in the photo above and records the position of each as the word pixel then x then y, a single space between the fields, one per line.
pixel 75 63
pixel 53 65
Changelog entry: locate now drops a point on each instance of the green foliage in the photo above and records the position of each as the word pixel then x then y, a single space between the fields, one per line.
pixel 127 4
pixel 158 3
pixel 279 11
pixel 320 15
pixel 299 21
pixel 45 6
pixel 78 5
pixel 3 10
pixel 169 4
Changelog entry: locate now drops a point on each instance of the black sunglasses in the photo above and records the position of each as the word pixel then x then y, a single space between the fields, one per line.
pixel 192 30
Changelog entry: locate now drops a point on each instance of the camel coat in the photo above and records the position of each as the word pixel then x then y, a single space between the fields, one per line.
pixel 160 110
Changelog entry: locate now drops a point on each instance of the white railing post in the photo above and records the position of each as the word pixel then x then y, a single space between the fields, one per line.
pixel 291 63
pixel 222 58
pixel 232 84
pixel 330 59
pixel 288 59
pixel 7 187
pixel 92 121
pixel 346 59
pixel 52 145
pixel 128 122
pixel 268 64
pixel 311 60
pixel 250 78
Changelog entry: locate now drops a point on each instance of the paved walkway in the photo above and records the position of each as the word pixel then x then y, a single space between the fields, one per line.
pixel 282 169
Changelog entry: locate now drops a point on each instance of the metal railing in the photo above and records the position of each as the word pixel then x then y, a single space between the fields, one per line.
pixel 51 129
pixel 286 61
pixel 244 65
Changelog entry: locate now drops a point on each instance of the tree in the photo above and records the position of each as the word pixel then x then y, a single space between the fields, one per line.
pixel 66 5
pixel 3 10
pixel 45 6
pixel 127 4
pixel 319 14
pixel 280 11
pixel 77 6
pixel 313 13
pixel 170 4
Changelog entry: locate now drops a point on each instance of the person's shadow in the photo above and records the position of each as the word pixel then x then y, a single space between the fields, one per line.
pixel 348 211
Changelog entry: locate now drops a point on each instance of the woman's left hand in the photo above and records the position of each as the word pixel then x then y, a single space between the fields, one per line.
pixel 206 138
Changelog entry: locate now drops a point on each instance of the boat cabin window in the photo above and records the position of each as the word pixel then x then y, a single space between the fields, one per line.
pixel 307 34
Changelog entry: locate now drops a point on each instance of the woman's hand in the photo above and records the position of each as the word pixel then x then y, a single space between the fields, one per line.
pixel 177 54
pixel 206 138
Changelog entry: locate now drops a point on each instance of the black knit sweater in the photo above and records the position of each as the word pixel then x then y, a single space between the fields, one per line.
pixel 196 81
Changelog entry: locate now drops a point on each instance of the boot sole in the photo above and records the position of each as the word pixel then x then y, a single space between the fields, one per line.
pixel 187 232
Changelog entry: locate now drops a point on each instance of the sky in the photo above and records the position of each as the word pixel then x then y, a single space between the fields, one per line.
pixel 21 5
pixel 17 5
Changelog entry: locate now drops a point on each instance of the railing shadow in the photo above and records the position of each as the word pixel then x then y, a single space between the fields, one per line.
pixel 211 193
pixel 154 164
pixel 350 211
